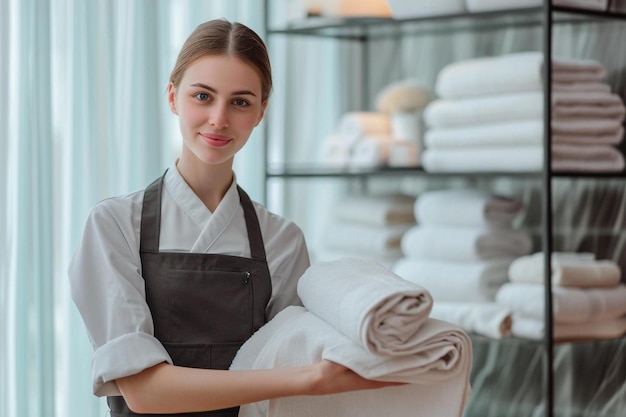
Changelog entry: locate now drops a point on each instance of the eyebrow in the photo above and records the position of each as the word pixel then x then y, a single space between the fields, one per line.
pixel 235 93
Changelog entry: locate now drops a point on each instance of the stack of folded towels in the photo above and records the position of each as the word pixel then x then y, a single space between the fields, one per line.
pixel 588 300
pixel 489 116
pixel 359 314
pixel 367 226
pixel 361 140
pixel 460 249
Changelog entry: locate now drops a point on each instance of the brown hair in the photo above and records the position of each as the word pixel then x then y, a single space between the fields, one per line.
pixel 221 37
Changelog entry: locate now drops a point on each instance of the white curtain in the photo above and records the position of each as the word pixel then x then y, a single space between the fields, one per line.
pixel 83 116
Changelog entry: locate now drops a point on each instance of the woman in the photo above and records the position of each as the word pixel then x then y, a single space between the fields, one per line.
pixel 171 280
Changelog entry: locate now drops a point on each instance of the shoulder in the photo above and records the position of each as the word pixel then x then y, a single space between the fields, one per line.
pixel 276 228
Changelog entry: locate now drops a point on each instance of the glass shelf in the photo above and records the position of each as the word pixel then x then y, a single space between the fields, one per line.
pixel 361 29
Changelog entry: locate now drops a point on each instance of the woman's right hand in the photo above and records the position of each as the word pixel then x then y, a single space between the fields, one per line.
pixel 330 378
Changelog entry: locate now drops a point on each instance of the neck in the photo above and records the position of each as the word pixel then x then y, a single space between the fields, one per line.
pixel 209 182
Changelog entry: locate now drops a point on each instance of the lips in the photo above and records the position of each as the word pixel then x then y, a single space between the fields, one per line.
pixel 215 140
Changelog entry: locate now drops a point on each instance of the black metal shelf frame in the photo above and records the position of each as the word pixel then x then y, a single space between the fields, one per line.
pixel 364 30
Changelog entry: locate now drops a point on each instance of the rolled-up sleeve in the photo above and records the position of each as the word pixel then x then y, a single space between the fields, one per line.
pixel 109 292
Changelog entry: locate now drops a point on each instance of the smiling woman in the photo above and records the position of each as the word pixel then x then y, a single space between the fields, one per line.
pixel 172 280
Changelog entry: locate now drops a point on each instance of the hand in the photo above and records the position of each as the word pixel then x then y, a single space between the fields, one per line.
pixel 332 378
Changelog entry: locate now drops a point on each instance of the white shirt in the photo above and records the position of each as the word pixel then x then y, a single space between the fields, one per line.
pixel 105 271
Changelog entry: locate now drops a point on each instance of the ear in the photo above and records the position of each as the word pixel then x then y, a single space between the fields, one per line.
pixel 171 97
pixel 261 113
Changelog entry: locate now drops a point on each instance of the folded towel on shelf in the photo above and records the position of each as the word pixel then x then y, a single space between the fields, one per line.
pixel 464 243
pixel 368 303
pixel 455 280
pixel 583 4
pixel 614 138
pixel 437 376
pixel 589 105
pixel 377 210
pixel 335 151
pixel 511 73
pixel 348 235
pixel 528 328
pixel 568 270
pixel 484 159
pixel 487 318
pixel 485 109
pixel 489 5
pixel 586 158
pixel 522 132
pixel 569 304
pixel 480 209
pixel 587 131
pixel 592 87
pixel 370 151
pixel 356 125
pixel 402 9
pixel 387 259
pixel 403 153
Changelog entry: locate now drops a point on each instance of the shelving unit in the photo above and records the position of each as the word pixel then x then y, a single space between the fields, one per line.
pixel 363 31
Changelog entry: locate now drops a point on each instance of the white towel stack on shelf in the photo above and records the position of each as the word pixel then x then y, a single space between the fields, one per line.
pixel 367 226
pixel 461 249
pixel 489 116
pixel 361 140
pixel 588 300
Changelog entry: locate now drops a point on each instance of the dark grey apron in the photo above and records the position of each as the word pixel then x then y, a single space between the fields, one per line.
pixel 204 306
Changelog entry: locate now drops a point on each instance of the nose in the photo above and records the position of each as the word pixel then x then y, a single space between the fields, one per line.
pixel 218 116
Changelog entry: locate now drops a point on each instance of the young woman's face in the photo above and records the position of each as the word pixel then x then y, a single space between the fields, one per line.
pixel 218 103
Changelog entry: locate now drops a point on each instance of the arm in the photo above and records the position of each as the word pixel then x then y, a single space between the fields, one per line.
pixel 166 388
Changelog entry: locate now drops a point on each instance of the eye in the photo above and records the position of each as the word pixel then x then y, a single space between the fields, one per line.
pixel 240 102
pixel 202 96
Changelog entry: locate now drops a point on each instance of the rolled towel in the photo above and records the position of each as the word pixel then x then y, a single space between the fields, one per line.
pixel 356 125
pixel 464 243
pixel 378 210
pixel 437 375
pixel 569 304
pixel 487 318
pixel 522 132
pixel 440 207
pixel 511 73
pixel 568 270
pixel 335 151
pixel 472 111
pixel 529 328
pixel 455 280
pixel 368 303
pixel 528 158
pixel 370 152
pixel 586 158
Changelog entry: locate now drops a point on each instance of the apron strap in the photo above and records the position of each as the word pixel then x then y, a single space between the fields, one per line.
pixel 255 237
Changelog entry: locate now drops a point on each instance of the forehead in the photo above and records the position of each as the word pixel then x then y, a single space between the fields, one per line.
pixel 222 72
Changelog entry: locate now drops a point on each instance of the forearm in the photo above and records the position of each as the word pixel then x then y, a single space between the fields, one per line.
pixel 172 389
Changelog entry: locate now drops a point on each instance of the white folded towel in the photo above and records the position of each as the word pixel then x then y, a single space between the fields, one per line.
pixel 437 376
pixel 583 4
pixel 368 303
pixel 464 243
pixel 353 236
pixel 487 318
pixel 568 270
pixel 336 151
pixel 370 151
pixel 484 109
pixel 489 5
pixel 377 210
pixel 387 259
pixel 586 158
pixel 403 153
pixel 569 304
pixel 528 328
pixel 356 125
pixel 482 209
pixel 528 158
pixel 510 73
pixel 455 280
pixel 516 133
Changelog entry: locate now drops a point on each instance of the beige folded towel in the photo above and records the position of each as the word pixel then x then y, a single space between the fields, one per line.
pixel 587 105
pixel 586 158
pixel 568 270
pixel 367 302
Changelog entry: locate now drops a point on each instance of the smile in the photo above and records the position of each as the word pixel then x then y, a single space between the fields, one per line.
pixel 215 140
